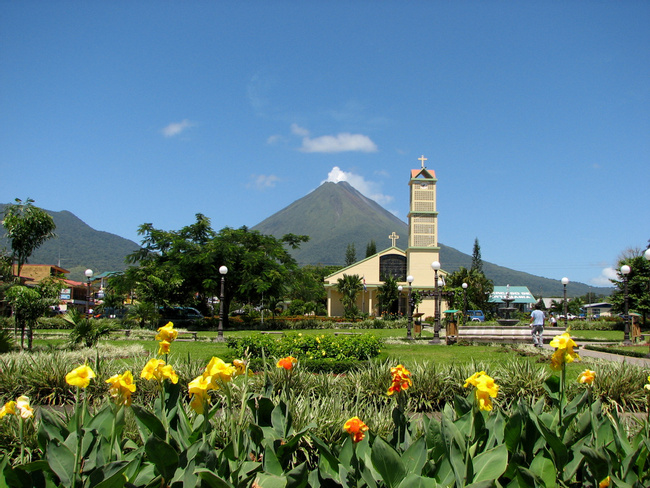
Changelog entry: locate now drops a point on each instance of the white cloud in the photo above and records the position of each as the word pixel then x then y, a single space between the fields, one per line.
pixel 342 142
pixel 176 128
pixel 299 131
pixel 369 189
pixel 262 182
pixel 605 275
pixel 274 139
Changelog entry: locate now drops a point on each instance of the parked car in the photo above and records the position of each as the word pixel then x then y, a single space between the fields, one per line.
pixel 569 316
pixel 475 316
pixel 180 316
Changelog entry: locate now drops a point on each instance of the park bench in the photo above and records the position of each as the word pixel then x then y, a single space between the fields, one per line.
pixel 503 333
pixel 279 332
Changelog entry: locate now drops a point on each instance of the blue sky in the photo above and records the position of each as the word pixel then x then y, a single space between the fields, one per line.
pixel 534 115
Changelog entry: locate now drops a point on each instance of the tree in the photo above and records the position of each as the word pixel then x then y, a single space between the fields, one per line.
pixel 28 227
pixel 387 294
pixel 350 254
pixel 638 284
pixel 477 262
pixel 349 287
pixel 182 267
pixel 479 288
pixel 371 249
pixel 29 303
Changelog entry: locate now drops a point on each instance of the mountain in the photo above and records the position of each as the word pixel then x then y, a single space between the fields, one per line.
pixel 78 247
pixel 336 214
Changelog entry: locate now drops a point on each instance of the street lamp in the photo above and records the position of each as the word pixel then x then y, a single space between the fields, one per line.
pixel 89 275
pixel 409 278
pixel 399 299
pixel 565 282
pixel 464 285
pixel 435 266
pixel 625 270
pixel 223 270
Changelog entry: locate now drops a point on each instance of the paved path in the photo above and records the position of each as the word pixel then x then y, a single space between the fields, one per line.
pixel 643 362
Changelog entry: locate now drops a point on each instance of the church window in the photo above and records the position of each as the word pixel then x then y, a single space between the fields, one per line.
pixel 393 265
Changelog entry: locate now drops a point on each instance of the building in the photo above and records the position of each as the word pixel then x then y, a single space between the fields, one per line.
pixel 74 294
pixel 422 250
pixel 520 297
pixel 597 310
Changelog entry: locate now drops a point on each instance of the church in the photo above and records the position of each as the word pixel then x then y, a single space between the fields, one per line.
pixel 416 262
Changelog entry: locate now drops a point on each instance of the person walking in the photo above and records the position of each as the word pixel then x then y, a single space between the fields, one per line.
pixel 537 319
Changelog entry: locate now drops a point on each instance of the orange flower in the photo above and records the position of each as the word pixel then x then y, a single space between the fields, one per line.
pixel 587 376
pixel 605 483
pixel 287 363
pixel 401 379
pixel 356 428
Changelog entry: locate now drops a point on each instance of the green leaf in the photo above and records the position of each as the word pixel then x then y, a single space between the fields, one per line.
pixel 266 480
pixel 415 456
pixel 61 461
pixel 162 455
pixel 148 423
pixel 387 463
pixel 512 432
pixel 211 479
pixel 297 477
pixel 271 463
pixel 491 464
pixel 597 461
pixel 416 481
pixel 109 476
pixel 544 468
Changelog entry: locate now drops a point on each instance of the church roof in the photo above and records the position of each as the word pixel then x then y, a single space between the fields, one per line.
pixel 423 173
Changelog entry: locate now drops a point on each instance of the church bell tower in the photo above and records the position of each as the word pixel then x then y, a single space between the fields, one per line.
pixel 423 225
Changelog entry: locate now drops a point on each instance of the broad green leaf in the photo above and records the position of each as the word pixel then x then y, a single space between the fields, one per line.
pixel 211 479
pixel 109 476
pixel 265 480
pixel 415 456
pixel 491 464
pixel 543 467
pixel 512 432
pixel 297 477
pixel 271 463
pixel 597 461
pixel 387 463
pixel 61 461
pixel 416 481
pixel 162 455
pixel 148 423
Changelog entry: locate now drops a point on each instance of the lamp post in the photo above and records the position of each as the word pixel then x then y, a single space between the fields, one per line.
pixel 399 299
pixel 409 278
pixel 223 270
pixel 625 270
pixel 464 285
pixel 435 266
pixel 89 275
pixel 565 282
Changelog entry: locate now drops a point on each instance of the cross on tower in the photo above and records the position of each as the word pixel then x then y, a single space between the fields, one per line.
pixel 422 159
pixel 393 237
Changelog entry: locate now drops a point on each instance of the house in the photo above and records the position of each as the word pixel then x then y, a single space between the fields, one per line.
pixel 597 310
pixel 422 250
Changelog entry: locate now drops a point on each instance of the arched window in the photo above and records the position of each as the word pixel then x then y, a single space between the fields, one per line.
pixel 392 265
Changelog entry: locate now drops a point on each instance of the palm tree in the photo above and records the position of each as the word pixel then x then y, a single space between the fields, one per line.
pixel 387 294
pixel 349 287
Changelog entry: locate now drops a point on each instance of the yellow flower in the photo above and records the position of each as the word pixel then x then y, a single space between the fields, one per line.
pixel 163 347
pixel 121 387
pixel 8 408
pixel 587 377
pixel 23 406
pixel 240 367
pixel 220 370
pixel 563 341
pixel 356 428
pixel 287 363
pixel 167 333
pixel 647 387
pixel 472 379
pixel 486 389
pixel 198 402
pixel 156 369
pixel 80 376
pixel 604 483
pixel 199 385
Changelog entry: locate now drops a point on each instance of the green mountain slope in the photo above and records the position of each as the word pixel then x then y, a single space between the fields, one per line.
pixel 335 215
pixel 78 247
